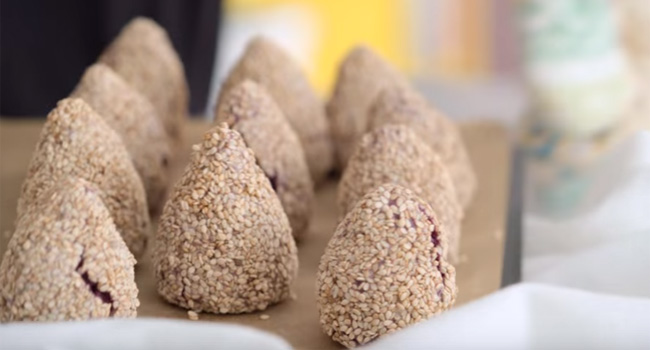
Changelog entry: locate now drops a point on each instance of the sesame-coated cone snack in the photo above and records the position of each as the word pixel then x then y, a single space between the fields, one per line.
pixel 66 260
pixel 384 268
pixel 250 110
pixel 395 154
pixel 144 56
pixel 224 244
pixel 136 121
pixel 270 66
pixel 408 107
pixel 362 74
pixel 77 142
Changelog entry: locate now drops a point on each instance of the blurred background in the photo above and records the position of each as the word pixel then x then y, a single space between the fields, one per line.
pixel 453 48
pixel 459 44
pixel 575 68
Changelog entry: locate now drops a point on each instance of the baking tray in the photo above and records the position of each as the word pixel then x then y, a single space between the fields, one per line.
pixel 481 270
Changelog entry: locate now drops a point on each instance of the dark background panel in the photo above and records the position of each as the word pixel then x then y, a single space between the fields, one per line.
pixel 46 45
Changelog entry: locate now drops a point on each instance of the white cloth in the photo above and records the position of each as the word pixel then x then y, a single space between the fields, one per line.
pixel 594 266
pixel 532 316
pixel 138 334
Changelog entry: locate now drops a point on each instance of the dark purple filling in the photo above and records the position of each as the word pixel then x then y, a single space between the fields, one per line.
pixel 105 297
pixel 435 235
pixel 333 174
pixel 274 181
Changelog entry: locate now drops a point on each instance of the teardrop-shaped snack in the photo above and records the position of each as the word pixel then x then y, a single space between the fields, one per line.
pixel 134 118
pixel 66 260
pixel 144 56
pixel 251 111
pixel 400 105
pixel 362 74
pixel 384 268
pixel 77 142
pixel 395 154
pixel 224 244
pixel 267 64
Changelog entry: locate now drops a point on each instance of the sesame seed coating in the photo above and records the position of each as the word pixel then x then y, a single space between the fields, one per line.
pixel 193 315
pixel 224 244
pixel 362 74
pixel 395 154
pixel 66 260
pixel 76 141
pixel 269 65
pixel 251 111
pixel 406 106
pixel 136 121
pixel 384 268
pixel 144 56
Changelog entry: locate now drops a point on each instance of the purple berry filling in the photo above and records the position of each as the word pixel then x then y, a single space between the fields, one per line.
pixel 435 235
pixel 274 181
pixel 105 297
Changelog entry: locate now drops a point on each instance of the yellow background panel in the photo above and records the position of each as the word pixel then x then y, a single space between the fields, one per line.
pixel 381 24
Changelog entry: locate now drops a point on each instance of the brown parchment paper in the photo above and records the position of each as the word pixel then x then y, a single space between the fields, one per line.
pixel 478 273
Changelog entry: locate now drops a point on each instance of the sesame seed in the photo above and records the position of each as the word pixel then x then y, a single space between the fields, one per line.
pixel 77 142
pixel 143 55
pixel 94 272
pixel 271 67
pixel 396 154
pixel 215 256
pixel 249 109
pixel 398 288
pixel 404 105
pixel 192 315
pixel 137 122
pixel 362 75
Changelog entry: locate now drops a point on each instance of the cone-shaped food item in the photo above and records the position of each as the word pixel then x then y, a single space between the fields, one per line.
pixel 406 106
pixel 66 260
pixel 361 76
pixel 136 121
pixel 224 244
pixel 270 66
pixel 77 142
pixel 144 56
pixel 395 154
pixel 251 111
pixel 384 268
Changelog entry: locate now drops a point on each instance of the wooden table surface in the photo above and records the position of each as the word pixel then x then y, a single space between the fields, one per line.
pixel 478 274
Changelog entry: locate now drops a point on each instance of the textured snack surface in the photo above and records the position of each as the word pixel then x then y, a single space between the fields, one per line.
pixel 250 110
pixel 144 56
pixel 401 105
pixel 224 244
pixel 362 75
pixel 76 142
pixel 66 260
pixel 395 154
pixel 384 268
pixel 136 121
pixel 270 66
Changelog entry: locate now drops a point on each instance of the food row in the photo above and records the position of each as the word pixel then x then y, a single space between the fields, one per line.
pixel 231 226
